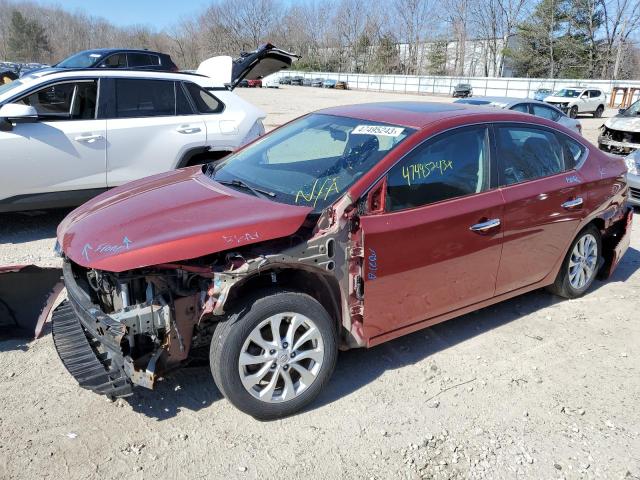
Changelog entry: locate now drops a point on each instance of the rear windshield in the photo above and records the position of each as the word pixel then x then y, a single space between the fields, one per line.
pixel 312 161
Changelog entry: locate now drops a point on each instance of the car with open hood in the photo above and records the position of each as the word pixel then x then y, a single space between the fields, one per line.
pixel 620 134
pixel 67 135
pixel 345 228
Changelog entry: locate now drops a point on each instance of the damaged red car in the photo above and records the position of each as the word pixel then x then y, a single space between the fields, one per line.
pixel 345 228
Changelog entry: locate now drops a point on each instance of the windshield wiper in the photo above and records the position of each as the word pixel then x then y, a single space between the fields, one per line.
pixel 239 183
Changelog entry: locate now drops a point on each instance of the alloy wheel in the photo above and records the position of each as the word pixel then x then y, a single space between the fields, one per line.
pixel 583 261
pixel 281 357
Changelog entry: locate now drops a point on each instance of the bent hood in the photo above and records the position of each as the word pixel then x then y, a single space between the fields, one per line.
pixel 170 217
pixel 626 124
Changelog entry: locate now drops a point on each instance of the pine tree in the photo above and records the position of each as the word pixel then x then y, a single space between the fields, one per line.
pixel 27 40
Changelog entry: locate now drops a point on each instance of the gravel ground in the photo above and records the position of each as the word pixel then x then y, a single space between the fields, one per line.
pixel 535 387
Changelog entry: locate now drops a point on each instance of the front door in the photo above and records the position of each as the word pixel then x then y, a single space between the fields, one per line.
pixel 543 202
pixel 437 247
pixel 63 151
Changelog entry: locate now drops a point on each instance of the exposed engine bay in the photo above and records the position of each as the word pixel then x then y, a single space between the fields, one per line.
pixel 151 320
pixel 618 142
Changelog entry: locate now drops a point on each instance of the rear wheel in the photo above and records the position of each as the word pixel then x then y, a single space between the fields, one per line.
pixel 573 112
pixel 274 356
pixel 598 112
pixel 580 266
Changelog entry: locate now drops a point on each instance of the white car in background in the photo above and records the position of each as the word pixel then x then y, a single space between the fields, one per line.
pixel 576 100
pixel 68 135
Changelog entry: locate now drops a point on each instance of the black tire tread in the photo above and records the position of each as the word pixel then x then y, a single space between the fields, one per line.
pixel 223 370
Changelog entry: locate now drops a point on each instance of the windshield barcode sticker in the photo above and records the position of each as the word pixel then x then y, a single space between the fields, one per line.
pixel 377 130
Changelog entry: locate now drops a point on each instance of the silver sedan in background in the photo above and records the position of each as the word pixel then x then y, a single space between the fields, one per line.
pixel 526 105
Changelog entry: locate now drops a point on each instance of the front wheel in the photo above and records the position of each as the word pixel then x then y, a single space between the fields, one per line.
pixel 580 266
pixel 573 113
pixel 273 357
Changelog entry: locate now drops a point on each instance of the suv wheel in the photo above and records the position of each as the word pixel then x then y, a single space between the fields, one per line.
pixel 580 266
pixel 573 112
pixel 273 356
pixel 598 112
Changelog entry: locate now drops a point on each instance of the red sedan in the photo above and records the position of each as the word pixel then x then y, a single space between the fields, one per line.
pixel 345 228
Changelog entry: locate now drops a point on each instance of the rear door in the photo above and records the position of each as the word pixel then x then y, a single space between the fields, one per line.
pixel 436 248
pixel 543 202
pixel 151 126
pixel 64 150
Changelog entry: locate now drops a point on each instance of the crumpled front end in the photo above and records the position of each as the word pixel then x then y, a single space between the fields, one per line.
pixel 116 331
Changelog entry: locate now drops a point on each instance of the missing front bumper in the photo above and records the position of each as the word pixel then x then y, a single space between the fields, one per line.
pixel 94 367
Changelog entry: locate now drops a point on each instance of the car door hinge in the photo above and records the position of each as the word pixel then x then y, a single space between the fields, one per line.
pixel 357 310
pixel 356 252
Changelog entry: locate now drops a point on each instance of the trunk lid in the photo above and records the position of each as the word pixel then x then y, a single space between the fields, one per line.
pixel 255 65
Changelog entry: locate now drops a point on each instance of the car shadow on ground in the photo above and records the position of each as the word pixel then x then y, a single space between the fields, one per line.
pixel 30 226
pixel 193 388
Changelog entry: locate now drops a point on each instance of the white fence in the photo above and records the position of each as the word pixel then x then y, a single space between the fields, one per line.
pixel 482 86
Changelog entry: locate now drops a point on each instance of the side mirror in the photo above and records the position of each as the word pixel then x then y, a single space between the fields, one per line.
pixel 376 198
pixel 16 113
pixel 622 110
pixel 584 95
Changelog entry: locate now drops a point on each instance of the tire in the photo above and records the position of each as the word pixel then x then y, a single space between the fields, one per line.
pixel 565 285
pixel 231 339
pixel 598 112
pixel 573 112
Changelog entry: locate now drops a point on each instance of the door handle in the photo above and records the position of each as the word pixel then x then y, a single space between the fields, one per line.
pixel 484 227
pixel 188 130
pixel 88 138
pixel 571 204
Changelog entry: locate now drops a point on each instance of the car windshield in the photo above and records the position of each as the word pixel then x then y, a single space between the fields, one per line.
pixel 9 86
pixel 463 85
pixel 632 111
pixel 80 60
pixel 312 161
pixel 568 92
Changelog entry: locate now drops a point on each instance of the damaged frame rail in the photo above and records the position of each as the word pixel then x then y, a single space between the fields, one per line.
pixel 139 342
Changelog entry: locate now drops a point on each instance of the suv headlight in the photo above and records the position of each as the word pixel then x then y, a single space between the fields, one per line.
pixel 632 161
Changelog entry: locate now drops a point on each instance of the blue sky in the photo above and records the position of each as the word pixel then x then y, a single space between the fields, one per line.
pixel 157 14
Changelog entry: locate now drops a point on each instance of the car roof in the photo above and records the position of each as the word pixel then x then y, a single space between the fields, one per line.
pixel 107 72
pixel 506 101
pixel 411 114
pixel 125 50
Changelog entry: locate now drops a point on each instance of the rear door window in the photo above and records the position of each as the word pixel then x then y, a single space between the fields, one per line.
pixel 452 165
pixel 526 153
pixel 145 98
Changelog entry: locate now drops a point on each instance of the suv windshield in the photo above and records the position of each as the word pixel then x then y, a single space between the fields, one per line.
pixel 312 161
pixel 568 92
pixel 80 60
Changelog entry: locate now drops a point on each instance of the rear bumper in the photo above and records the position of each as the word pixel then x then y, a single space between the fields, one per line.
pixel 88 342
pixel 617 243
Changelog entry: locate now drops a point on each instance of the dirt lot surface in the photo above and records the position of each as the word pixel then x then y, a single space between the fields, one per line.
pixel 535 387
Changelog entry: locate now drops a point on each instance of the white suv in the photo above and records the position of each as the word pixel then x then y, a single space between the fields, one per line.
pixel 575 100
pixel 67 135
